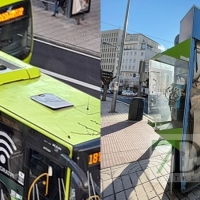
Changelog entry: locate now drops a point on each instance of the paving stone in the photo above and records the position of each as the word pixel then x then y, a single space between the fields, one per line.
pixel 131 194
pixel 126 182
pixel 121 195
pixel 88 37
pixel 109 198
pixel 148 163
pixel 157 187
pixel 134 179
pixel 163 196
pixel 118 187
pixel 150 175
pixel 149 190
pixel 155 198
pixel 141 175
pixel 107 189
pixel 131 168
pixel 156 172
pixel 163 183
pixel 118 170
pixel 106 175
pixel 162 169
pixel 167 168
pixel 141 194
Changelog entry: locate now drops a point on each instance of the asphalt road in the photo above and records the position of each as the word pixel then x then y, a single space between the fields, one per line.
pixel 128 100
pixel 121 98
pixel 68 63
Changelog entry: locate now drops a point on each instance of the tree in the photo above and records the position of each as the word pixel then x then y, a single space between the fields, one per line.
pixel 106 78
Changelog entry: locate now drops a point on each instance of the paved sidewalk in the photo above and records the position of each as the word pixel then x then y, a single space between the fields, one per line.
pixel 63 31
pixel 132 168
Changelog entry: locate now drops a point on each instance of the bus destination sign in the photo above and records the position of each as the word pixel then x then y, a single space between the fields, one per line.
pixel 12 14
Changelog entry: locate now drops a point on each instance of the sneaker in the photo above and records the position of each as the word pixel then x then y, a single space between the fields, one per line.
pixel 53 15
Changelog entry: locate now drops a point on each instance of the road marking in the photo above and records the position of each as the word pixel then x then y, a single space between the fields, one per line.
pixel 65 78
pixel 64 48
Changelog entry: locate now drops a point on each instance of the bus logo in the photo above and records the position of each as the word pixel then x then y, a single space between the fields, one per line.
pixel 7 147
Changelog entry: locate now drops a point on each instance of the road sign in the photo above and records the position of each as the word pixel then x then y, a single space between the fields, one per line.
pixel 106 74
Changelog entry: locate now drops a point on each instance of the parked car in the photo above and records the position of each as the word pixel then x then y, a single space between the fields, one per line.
pixel 108 92
pixel 129 93
pixel 124 92
pixel 119 92
pixel 111 91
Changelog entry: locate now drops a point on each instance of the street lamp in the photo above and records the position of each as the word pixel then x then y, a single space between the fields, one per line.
pixel 107 43
pixel 116 85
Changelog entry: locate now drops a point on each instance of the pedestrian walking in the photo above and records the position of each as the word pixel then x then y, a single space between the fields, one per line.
pixel 57 4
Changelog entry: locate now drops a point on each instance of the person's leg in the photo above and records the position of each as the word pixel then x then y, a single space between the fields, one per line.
pixel 55 9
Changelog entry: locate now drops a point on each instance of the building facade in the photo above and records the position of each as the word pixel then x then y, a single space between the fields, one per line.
pixel 109 53
pixel 136 47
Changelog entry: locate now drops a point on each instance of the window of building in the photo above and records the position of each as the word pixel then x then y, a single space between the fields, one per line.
pixel 143 46
pixel 127 53
pixel 142 53
pixel 129 67
pixel 130 60
pixel 134 60
pixel 126 60
pixel 135 53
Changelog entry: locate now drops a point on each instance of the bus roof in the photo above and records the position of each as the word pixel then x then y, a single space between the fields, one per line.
pixel 8 2
pixel 74 125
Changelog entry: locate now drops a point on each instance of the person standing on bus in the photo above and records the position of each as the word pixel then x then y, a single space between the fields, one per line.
pixel 57 4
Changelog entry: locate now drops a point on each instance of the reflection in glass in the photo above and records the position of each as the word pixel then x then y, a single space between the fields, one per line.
pixel 167 83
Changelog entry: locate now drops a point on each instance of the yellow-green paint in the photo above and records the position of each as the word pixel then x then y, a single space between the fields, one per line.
pixel 62 125
pixel 73 125
pixel 181 49
pixel 172 135
pixel 68 182
pixel 8 2
pixel 24 71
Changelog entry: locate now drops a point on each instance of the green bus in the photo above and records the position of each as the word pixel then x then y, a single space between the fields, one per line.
pixel 49 136
pixel 16 28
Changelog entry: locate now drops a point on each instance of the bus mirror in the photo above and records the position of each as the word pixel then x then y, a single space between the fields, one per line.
pixel 67 162
pixel 50 171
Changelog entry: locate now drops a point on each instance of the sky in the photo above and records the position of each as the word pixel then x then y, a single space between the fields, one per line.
pixel 157 19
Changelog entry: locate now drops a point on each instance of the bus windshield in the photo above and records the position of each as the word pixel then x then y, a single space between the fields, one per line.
pixel 15 33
